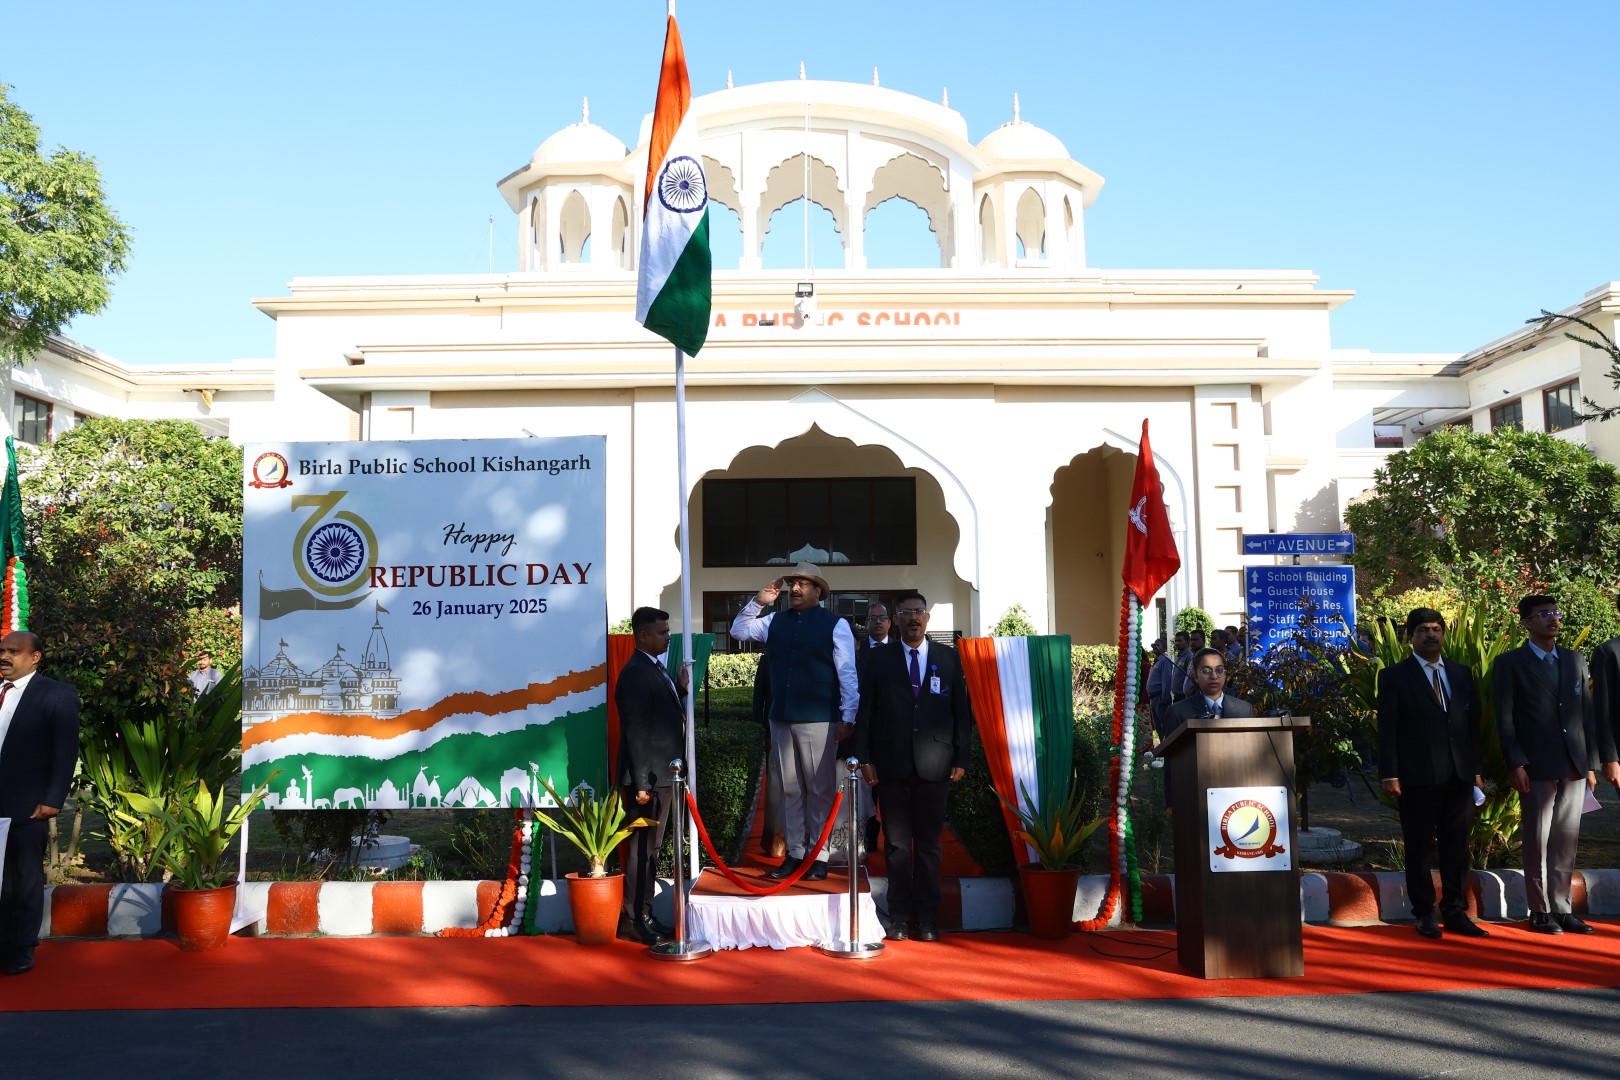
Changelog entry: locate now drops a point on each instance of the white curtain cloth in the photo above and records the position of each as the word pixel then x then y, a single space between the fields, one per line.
pixel 785 921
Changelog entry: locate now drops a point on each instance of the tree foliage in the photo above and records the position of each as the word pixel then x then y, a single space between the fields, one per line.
pixel 1189 619
pixel 60 243
pixel 1015 623
pixel 1506 510
pixel 132 526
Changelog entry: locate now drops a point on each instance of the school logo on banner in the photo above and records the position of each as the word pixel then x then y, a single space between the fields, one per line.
pixel 428 626
pixel 1248 829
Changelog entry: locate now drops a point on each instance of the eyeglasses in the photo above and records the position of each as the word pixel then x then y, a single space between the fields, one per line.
pixel 1553 614
pixel 911 611
pixel 1212 671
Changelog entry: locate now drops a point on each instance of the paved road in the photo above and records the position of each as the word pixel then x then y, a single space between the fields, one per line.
pixel 1468 1033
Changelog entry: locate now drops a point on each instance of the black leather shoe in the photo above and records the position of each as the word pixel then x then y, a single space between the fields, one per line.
pixel 1543 923
pixel 897 933
pixel 21 964
pixel 817 872
pixel 927 932
pixel 1573 924
pixel 1463 926
pixel 631 930
pixel 663 929
pixel 1428 925
pixel 789 864
pixel 650 928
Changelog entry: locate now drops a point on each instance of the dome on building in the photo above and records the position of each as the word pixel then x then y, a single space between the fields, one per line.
pixel 580 142
pixel 1019 140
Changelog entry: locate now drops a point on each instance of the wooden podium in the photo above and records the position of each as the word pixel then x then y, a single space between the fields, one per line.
pixel 1237 883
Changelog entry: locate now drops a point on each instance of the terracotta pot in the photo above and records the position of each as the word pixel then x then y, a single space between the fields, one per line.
pixel 1049 899
pixel 202 917
pixel 595 904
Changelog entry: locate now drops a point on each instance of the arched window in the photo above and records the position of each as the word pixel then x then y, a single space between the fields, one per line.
pixel 574 229
pixel 621 234
pixel 1030 226
pixel 989 243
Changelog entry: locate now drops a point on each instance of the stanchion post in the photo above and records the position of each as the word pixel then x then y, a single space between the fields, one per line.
pixel 680 948
pixel 853 949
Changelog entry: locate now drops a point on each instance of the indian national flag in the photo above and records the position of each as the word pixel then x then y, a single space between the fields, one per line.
pixel 1023 701
pixel 672 296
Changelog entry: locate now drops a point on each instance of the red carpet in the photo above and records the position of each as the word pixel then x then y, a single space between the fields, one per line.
pixel 402 972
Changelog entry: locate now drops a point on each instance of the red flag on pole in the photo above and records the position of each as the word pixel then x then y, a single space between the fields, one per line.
pixel 1151 558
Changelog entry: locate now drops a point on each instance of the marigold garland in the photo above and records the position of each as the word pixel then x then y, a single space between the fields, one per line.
pixel 1123 737
pixel 506 916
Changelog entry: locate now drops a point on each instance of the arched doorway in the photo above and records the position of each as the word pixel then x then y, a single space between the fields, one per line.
pixel 1086 543
pixel 873 525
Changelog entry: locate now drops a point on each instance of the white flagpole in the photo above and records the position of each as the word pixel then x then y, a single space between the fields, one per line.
pixel 687 655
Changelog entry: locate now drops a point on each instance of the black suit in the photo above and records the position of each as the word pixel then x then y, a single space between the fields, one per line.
pixel 1197 706
pixel 913 742
pixel 36 766
pixel 652 733
pixel 1435 752
pixel 1547 728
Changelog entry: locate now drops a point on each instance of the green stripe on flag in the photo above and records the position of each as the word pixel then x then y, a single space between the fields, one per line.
pixel 680 312
pixel 1051 684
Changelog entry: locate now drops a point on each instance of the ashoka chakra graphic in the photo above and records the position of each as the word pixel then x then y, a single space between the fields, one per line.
pixel 335 552
pixel 681 187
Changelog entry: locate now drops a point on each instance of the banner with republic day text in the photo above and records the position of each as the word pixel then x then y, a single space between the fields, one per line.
pixel 424 622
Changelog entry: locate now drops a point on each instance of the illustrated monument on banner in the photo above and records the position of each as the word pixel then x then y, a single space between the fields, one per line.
pixel 425 623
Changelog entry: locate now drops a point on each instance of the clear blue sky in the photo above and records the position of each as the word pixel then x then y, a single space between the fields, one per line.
pixel 1451 162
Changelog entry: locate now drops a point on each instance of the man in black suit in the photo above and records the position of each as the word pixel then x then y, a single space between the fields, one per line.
pixel 1210 697
pixel 1429 752
pixel 1553 749
pixel 652 733
pixel 39 742
pixel 913 737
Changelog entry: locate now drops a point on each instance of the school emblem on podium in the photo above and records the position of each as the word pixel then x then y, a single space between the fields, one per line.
pixel 1248 829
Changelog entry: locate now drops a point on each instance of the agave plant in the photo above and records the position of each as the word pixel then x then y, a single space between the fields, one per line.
pixel 594 826
pixel 194 831
pixel 1054 830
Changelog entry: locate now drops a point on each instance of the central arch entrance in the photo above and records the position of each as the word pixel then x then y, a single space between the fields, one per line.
pixel 874 525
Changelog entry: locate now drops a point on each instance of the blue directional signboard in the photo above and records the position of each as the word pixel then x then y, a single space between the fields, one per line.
pixel 1273 595
pixel 1299 543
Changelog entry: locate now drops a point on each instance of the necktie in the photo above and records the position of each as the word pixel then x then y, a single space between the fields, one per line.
pixel 1215 709
pixel 1439 691
pixel 916 675
pixel 5 688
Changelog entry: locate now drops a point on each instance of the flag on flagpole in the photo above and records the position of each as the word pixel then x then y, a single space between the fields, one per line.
pixel 673 291
pixel 1151 558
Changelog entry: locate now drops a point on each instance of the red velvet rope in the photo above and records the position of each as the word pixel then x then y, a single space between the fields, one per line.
pixel 743 883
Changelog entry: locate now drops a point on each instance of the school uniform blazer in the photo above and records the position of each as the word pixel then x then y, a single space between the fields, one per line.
pixel 1546 726
pixel 36 762
pixel 928 734
pixel 1418 741
pixel 1194 707
pixel 652 724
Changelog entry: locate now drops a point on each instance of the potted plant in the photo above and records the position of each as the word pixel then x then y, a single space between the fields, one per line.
pixel 195 831
pixel 594 826
pixel 1057 834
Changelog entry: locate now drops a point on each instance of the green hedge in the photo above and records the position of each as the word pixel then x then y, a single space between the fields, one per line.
pixel 728 670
